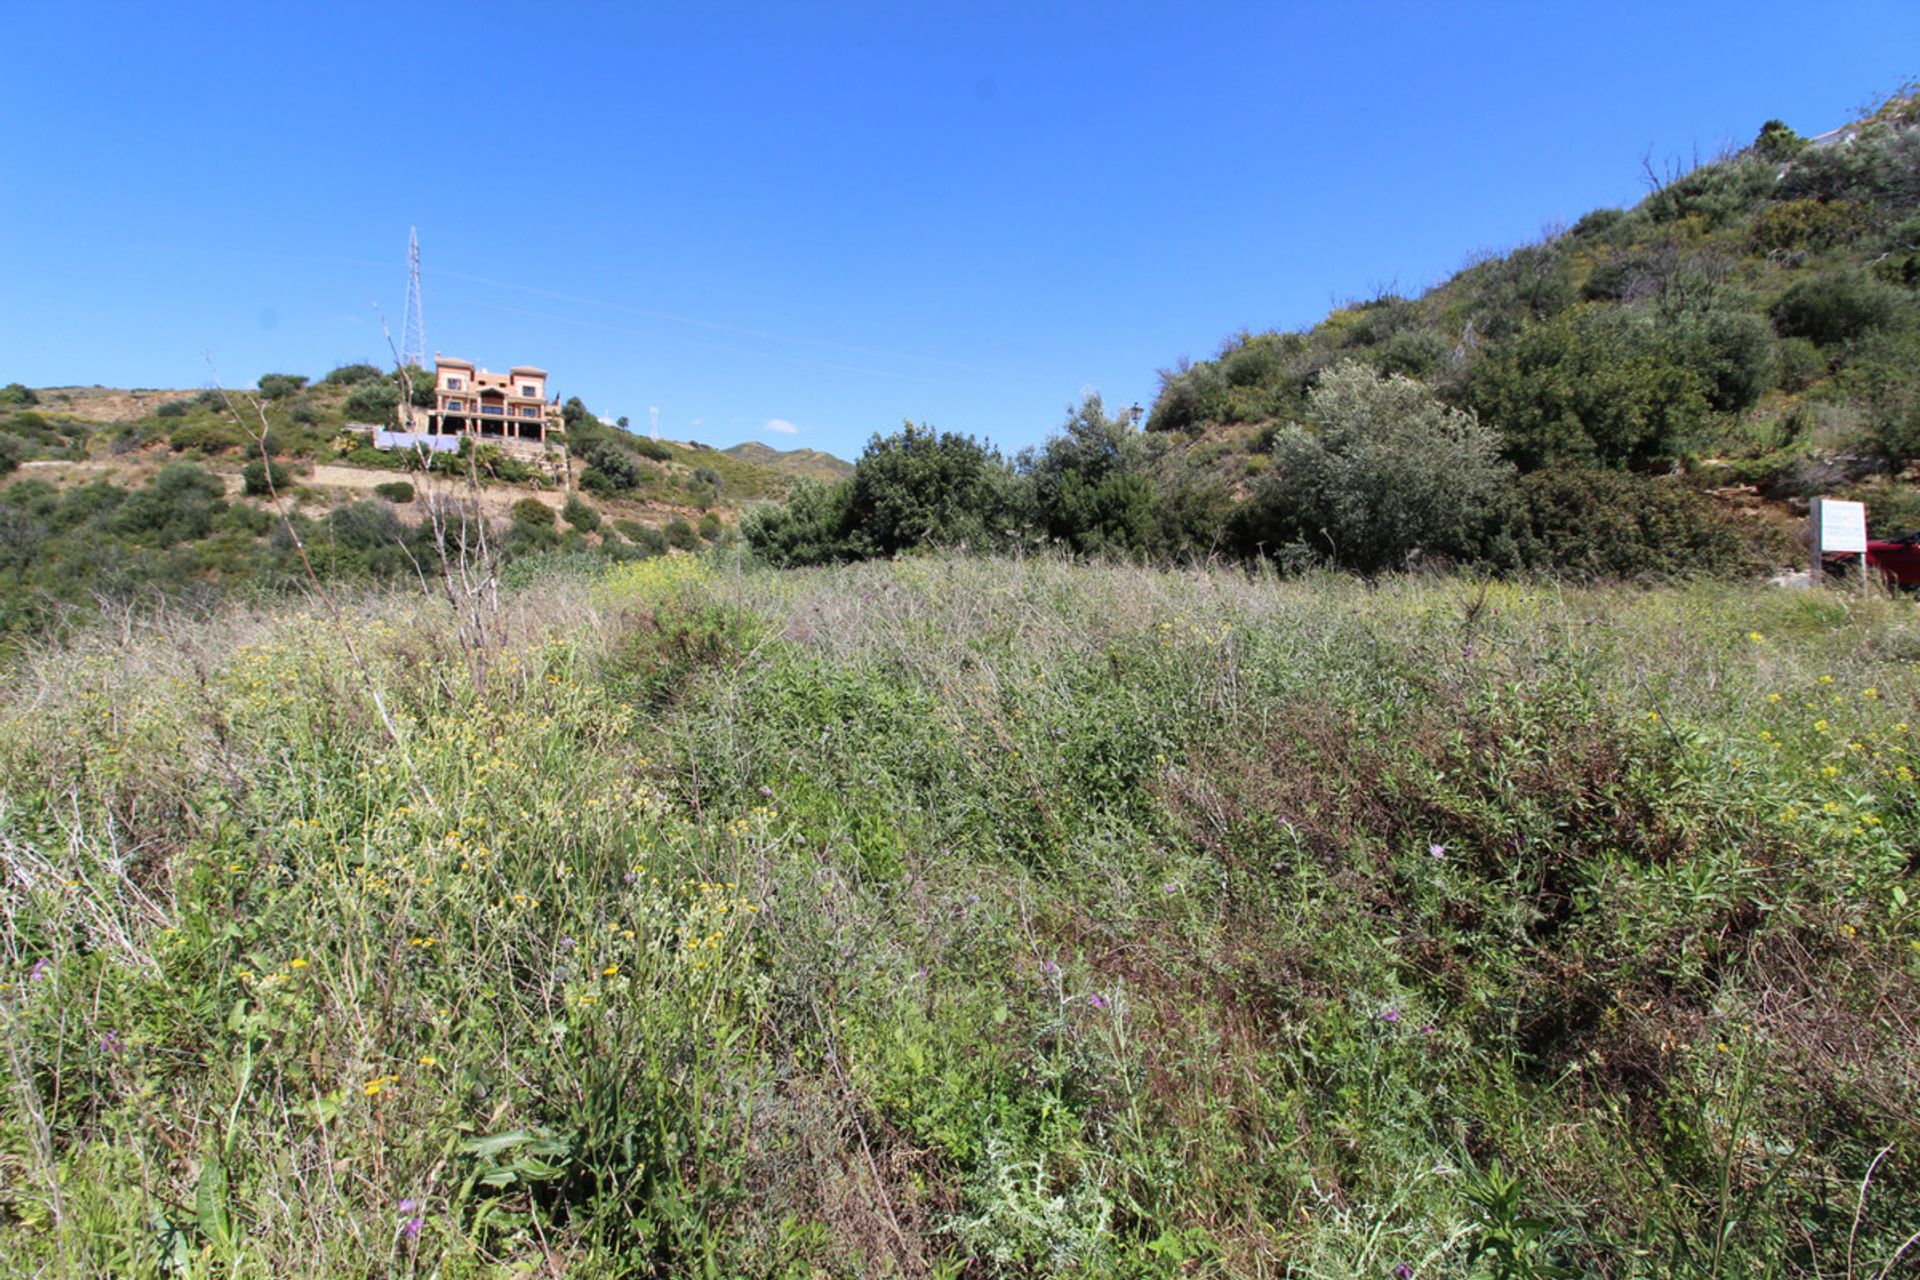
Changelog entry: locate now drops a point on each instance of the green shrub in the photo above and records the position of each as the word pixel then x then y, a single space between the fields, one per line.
pixel 1807 224
pixel 19 396
pixel 173 409
pixel 396 491
pixel 1836 306
pixel 1589 386
pixel 647 539
pixel 710 527
pixel 680 535
pixel 259 478
pixel 373 401
pixel 1800 364
pixel 1383 473
pixel 612 467
pixel 1189 396
pixel 813 526
pixel 580 515
pixel 208 437
pixel 532 513
pixel 1090 483
pixel 424 385
pixel 381 459
pixel 650 448
pixel 921 487
pixel 303 412
pixel 178 505
pixel 1731 351
pixel 1607 524
pixel 1777 142
pixel 1598 224
pixel 278 386
pixel 348 375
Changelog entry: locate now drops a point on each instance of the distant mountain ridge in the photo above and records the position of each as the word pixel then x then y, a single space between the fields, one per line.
pixel 809 464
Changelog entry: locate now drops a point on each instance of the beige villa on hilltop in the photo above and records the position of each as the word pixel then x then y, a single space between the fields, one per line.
pixel 469 400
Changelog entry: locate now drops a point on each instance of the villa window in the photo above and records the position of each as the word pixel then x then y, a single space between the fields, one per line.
pixel 528 390
pixel 453 384
pixel 454 405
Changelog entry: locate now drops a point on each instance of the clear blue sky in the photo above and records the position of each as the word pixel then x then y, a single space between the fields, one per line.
pixel 830 217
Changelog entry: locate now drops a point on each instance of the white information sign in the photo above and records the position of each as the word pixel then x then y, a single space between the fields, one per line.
pixel 1839 527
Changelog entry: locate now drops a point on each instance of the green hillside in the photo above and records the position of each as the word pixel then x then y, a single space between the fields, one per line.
pixel 1654 392
pixel 1753 321
pixel 120 499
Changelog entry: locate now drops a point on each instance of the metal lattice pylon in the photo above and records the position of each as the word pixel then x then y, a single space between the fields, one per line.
pixel 413 335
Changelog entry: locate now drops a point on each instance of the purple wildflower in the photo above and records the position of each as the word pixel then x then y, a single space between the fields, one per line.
pixel 411 1227
pixel 1049 967
pixel 112 1043
pixel 1403 1272
pixel 39 971
pixel 1391 1015
pixel 1436 851
pixel 1427 1030
pixel 1169 887
pixel 1098 1002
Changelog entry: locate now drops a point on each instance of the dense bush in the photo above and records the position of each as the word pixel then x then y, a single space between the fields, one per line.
pixel 16 395
pixel 1381 475
pixel 372 401
pixel 208 436
pixel 611 468
pixel 580 515
pixel 532 513
pixel 424 386
pixel 260 478
pixel 921 487
pixel 1733 352
pixel 396 491
pixel 278 386
pixel 1592 523
pixel 1836 306
pixel 680 535
pixel 1090 484
pixel 810 527
pixel 178 505
pixel 645 538
pixel 1588 386
pixel 348 375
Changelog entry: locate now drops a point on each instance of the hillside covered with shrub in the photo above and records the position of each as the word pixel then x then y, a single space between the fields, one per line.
pixel 117 501
pixel 1750 330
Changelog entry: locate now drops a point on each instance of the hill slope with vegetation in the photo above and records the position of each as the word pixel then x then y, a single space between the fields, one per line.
pixel 113 499
pixel 1653 390
pixel 810 464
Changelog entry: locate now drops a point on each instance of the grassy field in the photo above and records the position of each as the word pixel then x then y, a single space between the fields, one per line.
pixel 968 917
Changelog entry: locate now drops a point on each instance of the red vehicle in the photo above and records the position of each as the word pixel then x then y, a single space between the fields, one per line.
pixel 1895 560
